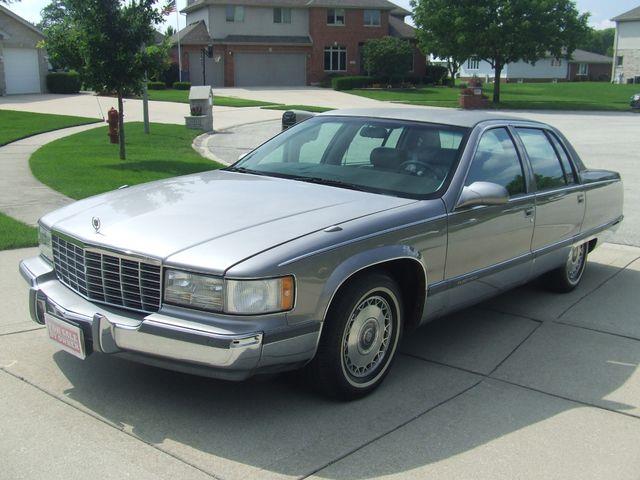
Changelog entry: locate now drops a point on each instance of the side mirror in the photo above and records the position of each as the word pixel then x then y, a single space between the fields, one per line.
pixel 483 193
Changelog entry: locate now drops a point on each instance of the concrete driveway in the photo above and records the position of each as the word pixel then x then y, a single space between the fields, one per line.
pixel 89 105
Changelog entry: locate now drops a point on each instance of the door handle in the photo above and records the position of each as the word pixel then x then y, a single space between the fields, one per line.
pixel 581 198
pixel 528 212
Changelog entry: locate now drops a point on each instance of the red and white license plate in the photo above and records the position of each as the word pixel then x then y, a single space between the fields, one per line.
pixel 68 337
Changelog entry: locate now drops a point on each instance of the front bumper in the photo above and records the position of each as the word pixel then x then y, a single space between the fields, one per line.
pixel 163 340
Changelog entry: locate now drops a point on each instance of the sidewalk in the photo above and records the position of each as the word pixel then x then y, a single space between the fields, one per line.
pixel 22 196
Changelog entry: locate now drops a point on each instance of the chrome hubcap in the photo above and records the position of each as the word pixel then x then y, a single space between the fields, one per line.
pixel 368 336
pixel 575 263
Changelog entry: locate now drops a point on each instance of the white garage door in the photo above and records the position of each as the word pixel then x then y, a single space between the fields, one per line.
pixel 21 70
pixel 270 69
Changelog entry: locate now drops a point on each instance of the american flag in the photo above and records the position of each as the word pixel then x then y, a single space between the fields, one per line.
pixel 169 8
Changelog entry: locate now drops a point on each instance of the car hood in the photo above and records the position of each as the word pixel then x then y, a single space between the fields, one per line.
pixel 229 216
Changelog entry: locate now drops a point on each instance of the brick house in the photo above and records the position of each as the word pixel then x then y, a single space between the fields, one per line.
pixel 284 42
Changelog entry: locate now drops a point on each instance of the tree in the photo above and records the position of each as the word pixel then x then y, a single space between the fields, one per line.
pixel 111 43
pixel 62 36
pixel 599 41
pixel 507 31
pixel 387 57
pixel 170 32
pixel 441 33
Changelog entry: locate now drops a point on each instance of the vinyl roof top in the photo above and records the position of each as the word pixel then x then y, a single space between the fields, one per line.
pixel 459 118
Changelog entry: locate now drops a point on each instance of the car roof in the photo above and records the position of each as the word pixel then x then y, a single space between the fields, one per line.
pixel 443 116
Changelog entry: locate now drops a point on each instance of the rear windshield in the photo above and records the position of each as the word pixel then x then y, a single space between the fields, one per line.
pixel 391 157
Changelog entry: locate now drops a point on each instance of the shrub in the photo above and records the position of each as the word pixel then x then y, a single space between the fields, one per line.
pixel 182 85
pixel 63 82
pixel 387 57
pixel 349 83
pixel 156 85
pixel 436 75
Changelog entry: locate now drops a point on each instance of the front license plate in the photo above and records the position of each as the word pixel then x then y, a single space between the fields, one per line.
pixel 68 337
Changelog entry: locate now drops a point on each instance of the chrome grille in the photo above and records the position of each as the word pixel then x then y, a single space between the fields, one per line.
pixel 106 277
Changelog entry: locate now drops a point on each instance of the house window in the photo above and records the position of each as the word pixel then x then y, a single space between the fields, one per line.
pixel 556 62
pixel 335 16
pixel 281 15
pixel 335 59
pixel 619 59
pixel 583 69
pixel 473 63
pixel 372 18
pixel 235 14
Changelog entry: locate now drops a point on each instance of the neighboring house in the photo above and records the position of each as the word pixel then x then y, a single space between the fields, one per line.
pixel 23 66
pixel 582 65
pixel 285 42
pixel 627 47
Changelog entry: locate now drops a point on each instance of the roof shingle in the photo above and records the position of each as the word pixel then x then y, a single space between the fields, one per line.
pixel 633 14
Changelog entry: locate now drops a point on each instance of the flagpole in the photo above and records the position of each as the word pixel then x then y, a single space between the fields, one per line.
pixel 179 50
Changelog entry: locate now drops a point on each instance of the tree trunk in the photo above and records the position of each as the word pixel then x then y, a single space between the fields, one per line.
pixel 496 82
pixel 123 155
pixel 453 69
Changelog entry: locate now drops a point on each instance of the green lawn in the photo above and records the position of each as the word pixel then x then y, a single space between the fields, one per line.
pixel 551 96
pixel 306 108
pixel 18 125
pixel 86 164
pixel 182 96
pixel 14 234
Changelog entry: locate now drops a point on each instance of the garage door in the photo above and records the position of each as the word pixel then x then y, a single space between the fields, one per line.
pixel 270 69
pixel 21 70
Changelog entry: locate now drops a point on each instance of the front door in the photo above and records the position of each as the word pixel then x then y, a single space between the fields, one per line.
pixel 489 246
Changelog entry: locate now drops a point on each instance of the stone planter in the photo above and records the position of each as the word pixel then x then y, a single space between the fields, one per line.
pixel 199 122
pixel 473 101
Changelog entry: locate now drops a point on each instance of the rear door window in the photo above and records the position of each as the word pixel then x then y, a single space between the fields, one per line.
pixel 545 163
pixel 564 159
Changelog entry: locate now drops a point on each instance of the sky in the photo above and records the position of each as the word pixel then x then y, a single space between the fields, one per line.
pixel 601 10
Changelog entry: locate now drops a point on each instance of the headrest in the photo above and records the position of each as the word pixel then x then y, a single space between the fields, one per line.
pixel 387 158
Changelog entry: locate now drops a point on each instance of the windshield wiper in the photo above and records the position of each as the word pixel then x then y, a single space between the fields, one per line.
pixel 242 170
pixel 331 183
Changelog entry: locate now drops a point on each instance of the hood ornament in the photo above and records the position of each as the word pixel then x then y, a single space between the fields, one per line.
pixel 95 222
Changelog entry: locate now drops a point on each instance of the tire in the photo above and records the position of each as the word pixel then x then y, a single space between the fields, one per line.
pixel 359 339
pixel 566 278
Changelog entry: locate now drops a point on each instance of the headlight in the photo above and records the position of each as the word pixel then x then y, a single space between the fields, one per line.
pixel 240 297
pixel 259 296
pixel 636 97
pixel 44 242
pixel 192 290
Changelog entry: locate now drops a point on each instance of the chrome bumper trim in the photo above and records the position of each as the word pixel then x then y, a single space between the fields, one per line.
pixel 114 333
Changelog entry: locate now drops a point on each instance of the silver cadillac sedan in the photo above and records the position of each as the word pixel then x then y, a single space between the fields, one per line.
pixel 321 247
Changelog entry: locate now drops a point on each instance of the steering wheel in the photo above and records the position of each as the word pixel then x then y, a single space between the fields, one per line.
pixel 419 169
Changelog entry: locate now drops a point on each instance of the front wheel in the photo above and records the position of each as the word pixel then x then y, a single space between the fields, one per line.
pixel 359 338
pixel 566 278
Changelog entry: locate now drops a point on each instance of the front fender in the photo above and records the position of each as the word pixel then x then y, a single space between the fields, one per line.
pixel 360 261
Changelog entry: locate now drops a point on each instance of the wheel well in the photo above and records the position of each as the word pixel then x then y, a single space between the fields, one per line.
pixel 592 245
pixel 410 276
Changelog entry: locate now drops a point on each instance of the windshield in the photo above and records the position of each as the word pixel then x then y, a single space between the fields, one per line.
pixel 382 156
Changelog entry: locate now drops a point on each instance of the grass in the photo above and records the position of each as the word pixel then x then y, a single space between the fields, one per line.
pixel 18 125
pixel 182 96
pixel 522 96
pixel 15 234
pixel 86 164
pixel 306 108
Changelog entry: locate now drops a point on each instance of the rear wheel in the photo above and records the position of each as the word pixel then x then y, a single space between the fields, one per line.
pixel 359 339
pixel 566 278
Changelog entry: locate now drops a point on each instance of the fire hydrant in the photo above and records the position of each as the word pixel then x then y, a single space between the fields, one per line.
pixel 112 120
